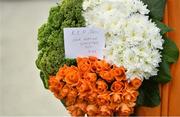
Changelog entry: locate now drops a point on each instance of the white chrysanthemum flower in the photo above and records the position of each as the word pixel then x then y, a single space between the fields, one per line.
pixel 132 40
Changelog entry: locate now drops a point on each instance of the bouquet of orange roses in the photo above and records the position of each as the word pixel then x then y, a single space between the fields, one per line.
pixel 134 53
pixel 94 87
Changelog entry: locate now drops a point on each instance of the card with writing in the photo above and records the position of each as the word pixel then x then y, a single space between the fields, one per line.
pixel 84 41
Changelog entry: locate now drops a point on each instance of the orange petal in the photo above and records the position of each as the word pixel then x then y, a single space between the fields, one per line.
pixel 117 86
pixel 72 77
pixel 92 110
pixel 64 92
pixel 101 85
pixel 92 77
pixel 103 98
pixel 105 111
pixel 107 75
pixel 75 111
pixel 116 97
pixel 136 83
pixel 125 110
pixel 84 64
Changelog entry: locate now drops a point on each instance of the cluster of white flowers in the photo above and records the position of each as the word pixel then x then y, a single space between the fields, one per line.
pixel 132 39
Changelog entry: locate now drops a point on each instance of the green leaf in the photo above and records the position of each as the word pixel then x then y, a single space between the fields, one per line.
pixel 170 52
pixel 156 8
pixel 149 94
pixel 163 27
pixel 164 75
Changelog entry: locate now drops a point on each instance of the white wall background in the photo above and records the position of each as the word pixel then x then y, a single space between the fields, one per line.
pixel 21 89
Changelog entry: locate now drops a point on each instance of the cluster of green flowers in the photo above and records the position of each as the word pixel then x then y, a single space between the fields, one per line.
pixel 50 37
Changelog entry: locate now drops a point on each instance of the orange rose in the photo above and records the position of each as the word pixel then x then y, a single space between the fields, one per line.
pixel 61 73
pixel 92 110
pixel 53 83
pixel 75 111
pixel 130 95
pixel 101 86
pixel 83 64
pixel 55 86
pixel 116 97
pixel 105 111
pixel 82 106
pixel 93 59
pixel 70 101
pixel 136 83
pixel 125 110
pixel 131 104
pixel 103 98
pixel 107 75
pixel 64 92
pixel 114 106
pixel 52 80
pixel 73 93
pixel 92 97
pixel 91 77
pixel 71 97
pixel 117 86
pixel 72 77
pixel 83 87
pixel 119 73
pixel 100 66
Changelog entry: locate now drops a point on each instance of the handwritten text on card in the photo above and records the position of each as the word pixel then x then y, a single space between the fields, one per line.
pixel 82 42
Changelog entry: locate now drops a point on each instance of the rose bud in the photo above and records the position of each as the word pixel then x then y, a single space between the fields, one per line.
pixel 61 73
pixel 101 66
pixel 91 77
pixel 92 97
pixel 70 101
pixel 107 75
pixel 53 84
pixel 72 93
pixel 116 97
pixel 136 83
pixel 101 86
pixel 75 111
pixel 117 86
pixel 64 92
pixel 72 77
pixel 105 111
pixel 103 98
pixel 124 110
pixel 82 106
pixel 129 95
pixel 83 64
pixel 119 73
pixel 92 110
pixel 83 86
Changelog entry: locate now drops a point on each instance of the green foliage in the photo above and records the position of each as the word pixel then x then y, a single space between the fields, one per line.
pixel 164 75
pixel 170 52
pixel 156 8
pixel 50 37
pixel 149 94
pixel 163 27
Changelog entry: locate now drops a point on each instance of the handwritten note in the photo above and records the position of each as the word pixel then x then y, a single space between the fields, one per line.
pixel 82 42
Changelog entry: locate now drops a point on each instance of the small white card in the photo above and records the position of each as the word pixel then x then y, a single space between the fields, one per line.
pixel 83 42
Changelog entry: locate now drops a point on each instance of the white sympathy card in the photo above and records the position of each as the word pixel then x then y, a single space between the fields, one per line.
pixel 83 42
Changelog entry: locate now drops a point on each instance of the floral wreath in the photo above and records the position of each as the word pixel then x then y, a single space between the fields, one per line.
pixel 136 60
